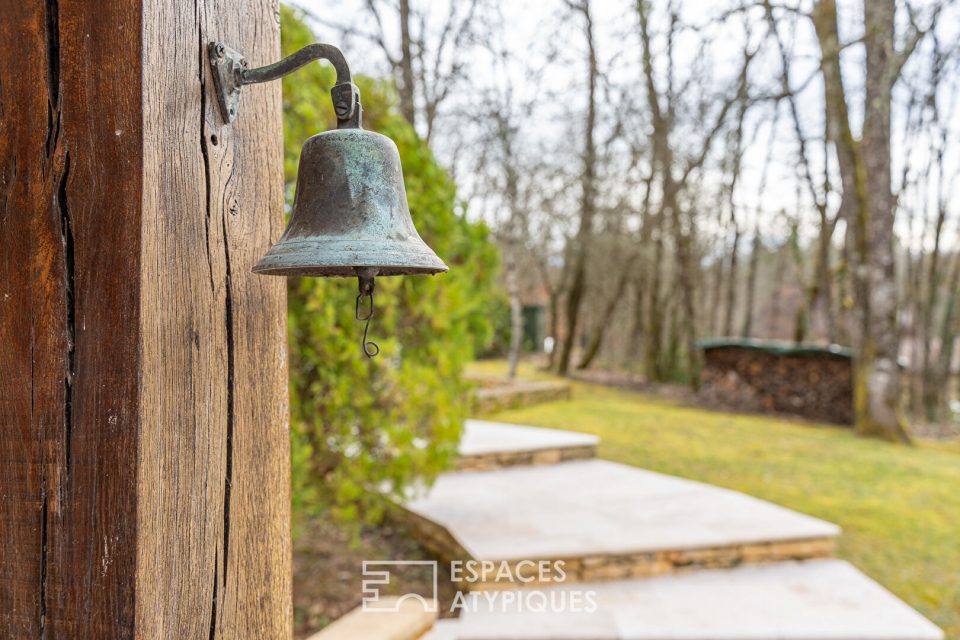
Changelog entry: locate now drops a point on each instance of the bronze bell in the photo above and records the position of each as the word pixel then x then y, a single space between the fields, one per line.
pixel 350 214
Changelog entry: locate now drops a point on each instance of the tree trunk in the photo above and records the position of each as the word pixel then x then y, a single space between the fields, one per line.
pixel 819 303
pixel 572 310
pixel 554 306
pixel 880 413
pixel 712 296
pixel 407 88
pixel 600 331
pixel 653 341
pixel 747 330
pixel 685 274
pixel 636 331
pixel 516 318
pixel 934 389
pixel 146 442
pixel 662 163
pixel 587 200
pixel 636 324
pixel 865 173
pixel 731 302
pixel 948 338
pixel 776 300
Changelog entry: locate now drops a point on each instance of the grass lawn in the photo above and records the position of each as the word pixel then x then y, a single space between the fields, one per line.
pixel 899 506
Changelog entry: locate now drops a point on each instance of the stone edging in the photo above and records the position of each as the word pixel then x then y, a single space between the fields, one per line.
pixel 498 460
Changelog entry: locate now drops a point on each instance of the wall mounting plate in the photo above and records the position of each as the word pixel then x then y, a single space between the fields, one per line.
pixel 226 65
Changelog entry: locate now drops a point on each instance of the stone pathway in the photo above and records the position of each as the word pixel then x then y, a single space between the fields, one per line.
pixel 826 599
pixel 666 557
pixel 481 437
pixel 491 445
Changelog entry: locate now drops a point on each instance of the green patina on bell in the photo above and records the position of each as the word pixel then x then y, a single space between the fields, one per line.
pixel 350 214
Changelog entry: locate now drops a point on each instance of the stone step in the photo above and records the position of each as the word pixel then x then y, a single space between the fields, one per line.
pixel 812 600
pixel 607 521
pixel 499 394
pixel 491 445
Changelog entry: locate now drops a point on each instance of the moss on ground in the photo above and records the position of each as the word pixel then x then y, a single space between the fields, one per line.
pixel 899 506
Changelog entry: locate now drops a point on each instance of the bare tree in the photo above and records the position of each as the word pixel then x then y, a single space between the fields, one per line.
pixel 819 288
pixel 516 228
pixel 429 56
pixel 588 198
pixel 868 205
pixel 674 171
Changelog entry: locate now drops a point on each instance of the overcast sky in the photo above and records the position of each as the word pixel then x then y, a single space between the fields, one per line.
pixel 544 36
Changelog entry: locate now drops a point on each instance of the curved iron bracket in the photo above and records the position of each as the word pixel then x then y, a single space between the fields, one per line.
pixel 230 73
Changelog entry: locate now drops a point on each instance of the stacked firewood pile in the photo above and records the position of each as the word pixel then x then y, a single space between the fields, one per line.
pixel 808 381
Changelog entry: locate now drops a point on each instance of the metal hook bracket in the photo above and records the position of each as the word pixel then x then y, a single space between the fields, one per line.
pixel 231 72
pixel 226 64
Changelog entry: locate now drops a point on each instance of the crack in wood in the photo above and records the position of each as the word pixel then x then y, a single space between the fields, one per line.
pixel 228 473
pixel 213 613
pixel 52 34
pixel 69 286
pixel 59 202
pixel 43 556
pixel 205 152
pixel 228 327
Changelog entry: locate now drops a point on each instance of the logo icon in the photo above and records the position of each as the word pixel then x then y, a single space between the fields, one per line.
pixel 377 577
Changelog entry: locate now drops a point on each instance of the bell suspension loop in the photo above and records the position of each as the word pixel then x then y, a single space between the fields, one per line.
pixel 366 282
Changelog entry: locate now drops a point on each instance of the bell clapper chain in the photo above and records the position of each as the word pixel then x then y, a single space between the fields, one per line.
pixel 366 282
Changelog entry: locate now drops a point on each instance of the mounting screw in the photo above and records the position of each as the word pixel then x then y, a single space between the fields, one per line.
pixel 244 63
pixel 220 50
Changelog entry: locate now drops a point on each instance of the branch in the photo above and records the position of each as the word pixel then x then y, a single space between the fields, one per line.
pixel 914 37
pixel 698 160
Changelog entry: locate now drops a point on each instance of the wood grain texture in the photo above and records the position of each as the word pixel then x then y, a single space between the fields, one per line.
pixel 214 553
pixel 143 403
pixel 70 244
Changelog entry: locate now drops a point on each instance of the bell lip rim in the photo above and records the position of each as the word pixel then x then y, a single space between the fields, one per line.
pixel 429 263
pixel 411 270
pixel 414 256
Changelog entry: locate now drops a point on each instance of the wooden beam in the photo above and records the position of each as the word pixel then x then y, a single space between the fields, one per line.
pixel 143 404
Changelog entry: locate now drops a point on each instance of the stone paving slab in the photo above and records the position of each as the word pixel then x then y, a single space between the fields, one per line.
pixel 481 437
pixel 582 509
pixel 813 600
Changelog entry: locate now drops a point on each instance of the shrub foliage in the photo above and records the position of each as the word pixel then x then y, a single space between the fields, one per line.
pixel 364 429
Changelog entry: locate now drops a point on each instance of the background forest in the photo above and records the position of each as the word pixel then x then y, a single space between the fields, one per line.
pixel 612 183
pixel 759 170
pixel 661 172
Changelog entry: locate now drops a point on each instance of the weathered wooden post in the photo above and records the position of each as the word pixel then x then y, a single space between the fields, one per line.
pixel 144 451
